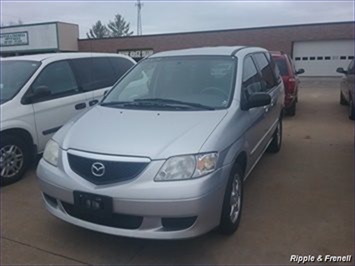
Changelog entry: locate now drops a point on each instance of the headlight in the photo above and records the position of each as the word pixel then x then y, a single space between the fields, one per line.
pixel 187 167
pixel 51 152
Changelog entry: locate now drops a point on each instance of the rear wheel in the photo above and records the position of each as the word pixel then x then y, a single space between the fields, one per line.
pixel 291 111
pixel 351 109
pixel 232 203
pixel 14 159
pixel 342 99
pixel 276 142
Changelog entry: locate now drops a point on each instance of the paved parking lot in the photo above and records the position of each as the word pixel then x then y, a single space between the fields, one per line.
pixel 300 201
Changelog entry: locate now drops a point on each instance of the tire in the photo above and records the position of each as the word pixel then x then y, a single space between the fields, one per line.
pixel 276 143
pixel 232 207
pixel 342 99
pixel 12 148
pixel 291 111
pixel 351 108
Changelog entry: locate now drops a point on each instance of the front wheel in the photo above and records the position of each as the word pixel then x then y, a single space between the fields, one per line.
pixel 276 142
pixel 232 203
pixel 14 159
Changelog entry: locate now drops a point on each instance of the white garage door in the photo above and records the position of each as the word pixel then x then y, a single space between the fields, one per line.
pixel 322 58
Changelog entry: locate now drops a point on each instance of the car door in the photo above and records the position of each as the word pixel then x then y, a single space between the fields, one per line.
pixel 65 100
pixel 272 84
pixel 255 134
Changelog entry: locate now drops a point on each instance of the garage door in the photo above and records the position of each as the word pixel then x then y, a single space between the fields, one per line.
pixel 322 58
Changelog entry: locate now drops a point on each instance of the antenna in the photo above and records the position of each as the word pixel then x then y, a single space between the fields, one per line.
pixel 139 5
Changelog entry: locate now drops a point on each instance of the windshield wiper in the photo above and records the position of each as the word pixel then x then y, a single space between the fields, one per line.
pixel 141 104
pixel 170 101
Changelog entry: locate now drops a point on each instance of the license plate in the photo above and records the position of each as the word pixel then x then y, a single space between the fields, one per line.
pixel 92 203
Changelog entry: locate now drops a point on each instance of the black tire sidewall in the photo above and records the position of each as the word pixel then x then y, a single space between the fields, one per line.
pixel 226 226
pixel 351 109
pixel 274 146
pixel 11 140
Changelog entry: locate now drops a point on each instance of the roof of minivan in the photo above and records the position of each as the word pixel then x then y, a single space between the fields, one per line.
pixel 220 50
pixel 57 56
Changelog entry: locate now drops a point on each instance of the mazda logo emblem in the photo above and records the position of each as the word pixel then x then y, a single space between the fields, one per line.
pixel 98 169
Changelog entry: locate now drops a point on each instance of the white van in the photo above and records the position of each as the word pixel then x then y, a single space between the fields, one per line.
pixel 40 93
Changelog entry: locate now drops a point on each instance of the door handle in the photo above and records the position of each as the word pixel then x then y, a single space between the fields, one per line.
pixel 80 106
pixel 93 102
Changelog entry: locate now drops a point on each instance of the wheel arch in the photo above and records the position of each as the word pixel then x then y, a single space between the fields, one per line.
pixel 23 134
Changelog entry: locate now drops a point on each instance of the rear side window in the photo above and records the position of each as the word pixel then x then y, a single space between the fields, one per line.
pixel 281 63
pixel 251 78
pixel 120 66
pixel 94 73
pixel 267 71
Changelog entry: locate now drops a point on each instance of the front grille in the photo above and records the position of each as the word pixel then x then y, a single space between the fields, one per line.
pixel 116 220
pixel 114 171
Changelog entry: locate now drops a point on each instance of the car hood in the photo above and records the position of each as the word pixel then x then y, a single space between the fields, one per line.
pixel 153 134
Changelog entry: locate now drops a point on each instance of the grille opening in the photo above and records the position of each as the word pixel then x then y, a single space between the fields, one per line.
pixel 50 200
pixel 116 220
pixel 173 224
pixel 114 171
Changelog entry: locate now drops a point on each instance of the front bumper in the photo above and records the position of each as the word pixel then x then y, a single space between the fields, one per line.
pixel 199 200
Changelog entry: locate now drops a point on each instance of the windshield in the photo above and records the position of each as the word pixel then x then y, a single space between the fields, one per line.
pixel 184 82
pixel 14 74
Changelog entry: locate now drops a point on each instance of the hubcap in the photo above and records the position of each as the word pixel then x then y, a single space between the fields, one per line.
pixel 235 199
pixel 11 161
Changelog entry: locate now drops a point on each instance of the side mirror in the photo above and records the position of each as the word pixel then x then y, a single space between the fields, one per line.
pixel 258 100
pixel 41 92
pixel 300 71
pixel 341 70
pixel 36 94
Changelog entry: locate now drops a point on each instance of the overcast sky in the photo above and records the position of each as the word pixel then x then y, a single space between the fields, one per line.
pixel 179 16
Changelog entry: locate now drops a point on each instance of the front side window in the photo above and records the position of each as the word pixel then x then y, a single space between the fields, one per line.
pixel 184 82
pixel 58 78
pixel 251 79
pixel 14 75
pixel 267 72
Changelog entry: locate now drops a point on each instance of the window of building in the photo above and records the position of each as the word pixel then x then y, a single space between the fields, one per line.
pixel 304 58
pixel 327 58
pixel 312 58
pixel 298 58
pixel 319 57
pixel 343 58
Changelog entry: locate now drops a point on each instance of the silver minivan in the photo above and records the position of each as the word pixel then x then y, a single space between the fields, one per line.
pixel 165 153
